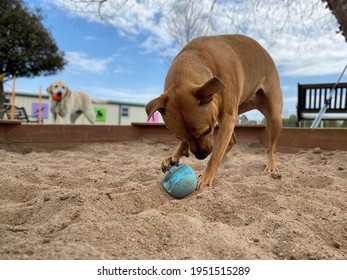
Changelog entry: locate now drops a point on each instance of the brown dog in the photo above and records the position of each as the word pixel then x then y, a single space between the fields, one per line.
pixel 214 79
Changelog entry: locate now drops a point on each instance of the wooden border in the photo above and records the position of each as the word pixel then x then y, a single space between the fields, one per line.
pixel 290 140
pixel 28 133
pixel 294 139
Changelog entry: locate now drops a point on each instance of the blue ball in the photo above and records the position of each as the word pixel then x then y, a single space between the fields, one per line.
pixel 180 181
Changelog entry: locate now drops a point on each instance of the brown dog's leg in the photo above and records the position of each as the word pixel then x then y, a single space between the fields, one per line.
pixel 181 150
pixel 226 129
pixel 274 125
pixel 272 110
pixel 231 143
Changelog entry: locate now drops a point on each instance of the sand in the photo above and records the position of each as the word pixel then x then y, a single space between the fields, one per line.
pixel 105 201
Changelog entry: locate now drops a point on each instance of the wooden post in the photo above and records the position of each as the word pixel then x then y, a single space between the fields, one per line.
pixel 40 106
pixel 13 97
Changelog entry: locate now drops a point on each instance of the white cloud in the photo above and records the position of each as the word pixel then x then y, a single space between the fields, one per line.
pixel 80 61
pixel 325 56
pixel 90 38
pixel 300 34
pixel 122 70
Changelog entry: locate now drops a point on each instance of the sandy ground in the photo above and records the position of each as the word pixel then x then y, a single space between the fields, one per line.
pixel 105 201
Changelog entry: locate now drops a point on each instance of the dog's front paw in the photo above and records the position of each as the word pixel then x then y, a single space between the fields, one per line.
pixel 167 162
pixel 270 169
pixel 271 164
pixel 205 180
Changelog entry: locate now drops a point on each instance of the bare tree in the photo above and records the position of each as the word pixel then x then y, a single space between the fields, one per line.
pixel 189 19
pixel 98 6
pixel 339 9
pixel 178 21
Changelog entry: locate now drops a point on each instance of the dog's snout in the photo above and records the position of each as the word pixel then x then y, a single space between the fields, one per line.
pixel 201 154
pixel 59 93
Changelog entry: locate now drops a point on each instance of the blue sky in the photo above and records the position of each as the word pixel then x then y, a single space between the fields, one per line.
pixel 101 62
pixel 126 59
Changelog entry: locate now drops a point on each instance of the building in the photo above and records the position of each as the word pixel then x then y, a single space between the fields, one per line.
pixel 107 112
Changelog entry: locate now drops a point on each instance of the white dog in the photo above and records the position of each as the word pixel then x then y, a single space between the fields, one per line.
pixel 69 104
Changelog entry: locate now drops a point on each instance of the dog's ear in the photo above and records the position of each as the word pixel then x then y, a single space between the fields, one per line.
pixel 157 104
pixel 49 89
pixel 207 90
pixel 68 91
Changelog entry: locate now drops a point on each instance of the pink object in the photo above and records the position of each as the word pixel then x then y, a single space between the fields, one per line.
pixel 154 118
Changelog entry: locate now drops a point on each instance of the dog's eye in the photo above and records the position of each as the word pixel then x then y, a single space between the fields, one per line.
pixel 55 86
pixel 207 131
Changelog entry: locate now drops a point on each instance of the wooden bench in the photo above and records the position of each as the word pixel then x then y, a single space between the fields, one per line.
pixel 19 114
pixel 312 97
